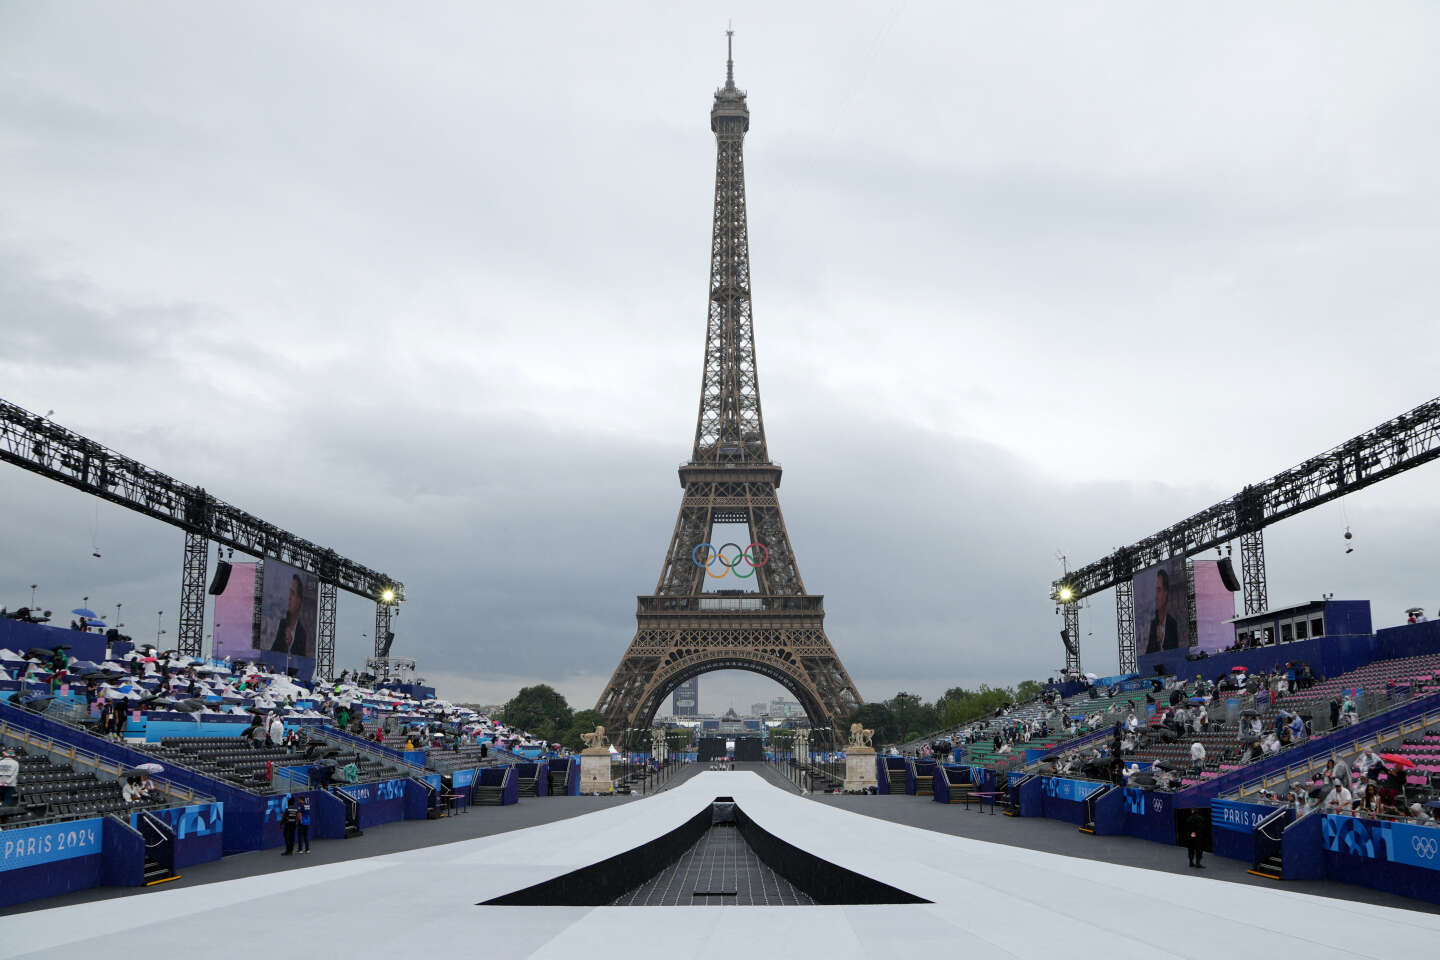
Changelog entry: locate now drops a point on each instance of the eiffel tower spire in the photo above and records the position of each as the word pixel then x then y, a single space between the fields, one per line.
pixel 730 428
pixel 759 617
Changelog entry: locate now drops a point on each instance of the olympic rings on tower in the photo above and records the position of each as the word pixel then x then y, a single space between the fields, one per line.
pixel 707 556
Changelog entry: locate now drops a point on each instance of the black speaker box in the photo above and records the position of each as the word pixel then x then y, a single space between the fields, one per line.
pixel 1227 574
pixel 222 577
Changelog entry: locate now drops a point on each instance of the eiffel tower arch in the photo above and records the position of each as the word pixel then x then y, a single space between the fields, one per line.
pixel 684 629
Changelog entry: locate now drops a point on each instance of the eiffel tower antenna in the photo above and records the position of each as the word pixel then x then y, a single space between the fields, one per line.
pixel 729 606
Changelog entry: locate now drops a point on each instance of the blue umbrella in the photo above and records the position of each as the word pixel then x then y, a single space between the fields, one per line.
pixel 82 612
pixel 94 622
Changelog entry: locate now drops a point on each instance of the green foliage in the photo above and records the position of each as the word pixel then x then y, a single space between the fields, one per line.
pixel 906 717
pixel 584 721
pixel 540 710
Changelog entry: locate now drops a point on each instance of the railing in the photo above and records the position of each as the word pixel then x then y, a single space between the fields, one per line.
pixel 1269 833
pixel 741 602
pixel 1302 770
pixel 77 758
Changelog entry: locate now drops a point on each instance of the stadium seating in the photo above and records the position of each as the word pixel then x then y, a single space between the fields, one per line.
pixel 56 791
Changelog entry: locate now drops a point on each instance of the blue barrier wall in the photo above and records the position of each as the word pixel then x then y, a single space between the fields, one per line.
pixel 382 802
pixel 327 816
pixel 1064 799
pixel 1399 858
pixel 1302 849
pixel 199 831
pixel 1030 799
pixel 51 859
pixel 1232 827
pixel 1110 814
pixel 1150 815
pixel 122 859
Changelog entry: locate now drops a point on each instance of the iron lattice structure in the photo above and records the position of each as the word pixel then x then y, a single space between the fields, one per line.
pixel 190 628
pixel 42 446
pixel 325 641
pixel 1399 444
pixel 1125 624
pixel 682 631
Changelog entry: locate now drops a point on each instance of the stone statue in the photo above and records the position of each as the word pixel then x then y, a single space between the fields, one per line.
pixel 859 736
pixel 596 740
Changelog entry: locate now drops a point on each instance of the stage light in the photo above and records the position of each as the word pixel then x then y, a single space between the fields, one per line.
pixel 387 596
pixel 1065 594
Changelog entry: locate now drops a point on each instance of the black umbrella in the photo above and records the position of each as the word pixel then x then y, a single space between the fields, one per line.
pixel 1320 789
pixel 39 653
pixel 36 702
pixel 190 705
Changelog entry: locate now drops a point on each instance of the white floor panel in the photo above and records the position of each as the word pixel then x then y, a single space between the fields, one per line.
pixel 999 900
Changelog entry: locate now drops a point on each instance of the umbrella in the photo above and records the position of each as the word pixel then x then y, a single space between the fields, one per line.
pixel 1397 760
pixel 92 622
pixel 191 705
pixel 1319 790
pixel 85 667
pixel 1239 669
pixel 1196 700
pixel 39 653
pixel 151 768
pixel 82 612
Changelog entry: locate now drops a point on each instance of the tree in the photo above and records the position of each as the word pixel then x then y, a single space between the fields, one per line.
pixel 584 721
pixel 879 717
pixel 539 710
pixel 1028 690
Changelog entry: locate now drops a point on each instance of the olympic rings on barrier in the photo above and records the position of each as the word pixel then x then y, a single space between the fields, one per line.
pixel 707 556
pixel 1425 847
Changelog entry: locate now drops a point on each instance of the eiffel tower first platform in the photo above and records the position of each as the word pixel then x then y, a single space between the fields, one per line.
pixel 692 624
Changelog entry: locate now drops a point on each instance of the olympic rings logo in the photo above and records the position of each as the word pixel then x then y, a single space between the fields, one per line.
pixel 706 556
pixel 1426 847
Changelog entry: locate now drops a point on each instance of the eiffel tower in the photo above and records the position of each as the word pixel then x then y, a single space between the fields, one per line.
pixel 682 630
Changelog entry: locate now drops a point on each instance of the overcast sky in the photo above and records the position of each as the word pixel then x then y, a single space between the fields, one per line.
pixel 426 283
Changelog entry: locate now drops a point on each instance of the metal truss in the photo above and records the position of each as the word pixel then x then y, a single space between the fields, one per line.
pixel 325 639
pixel 683 631
pixel 190 630
pixel 44 447
pixel 382 628
pixel 1397 445
pixel 1252 572
pixel 1125 624
pixel 1072 636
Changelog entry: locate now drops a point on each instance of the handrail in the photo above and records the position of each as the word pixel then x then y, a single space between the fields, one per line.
pixel 96 762
pixel 1291 773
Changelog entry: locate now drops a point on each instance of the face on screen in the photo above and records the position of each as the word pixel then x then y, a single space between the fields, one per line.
pixel 1162 596
pixel 295 598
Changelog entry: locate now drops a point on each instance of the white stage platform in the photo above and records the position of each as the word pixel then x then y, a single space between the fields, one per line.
pixel 988 899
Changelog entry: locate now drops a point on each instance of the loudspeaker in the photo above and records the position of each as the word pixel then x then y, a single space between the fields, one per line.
pixel 1065 639
pixel 222 577
pixel 389 639
pixel 1227 574
pixel 1159 669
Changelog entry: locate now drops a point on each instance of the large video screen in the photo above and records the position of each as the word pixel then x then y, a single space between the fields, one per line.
pixel 1214 606
pixel 289 608
pixel 1162 617
pixel 235 615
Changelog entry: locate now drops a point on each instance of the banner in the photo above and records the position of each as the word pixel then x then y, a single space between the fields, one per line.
pixel 1063 789
pixel 1405 843
pixel 1237 816
pixel 32 846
